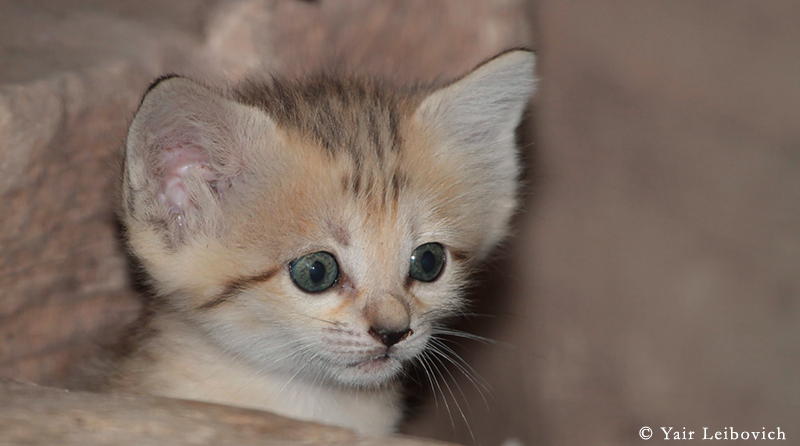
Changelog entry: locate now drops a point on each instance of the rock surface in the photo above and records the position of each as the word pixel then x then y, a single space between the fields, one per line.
pixel 30 414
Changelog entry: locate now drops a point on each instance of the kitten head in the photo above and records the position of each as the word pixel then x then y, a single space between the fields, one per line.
pixel 323 227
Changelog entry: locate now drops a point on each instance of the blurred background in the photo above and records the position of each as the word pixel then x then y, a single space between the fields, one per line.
pixel 653 278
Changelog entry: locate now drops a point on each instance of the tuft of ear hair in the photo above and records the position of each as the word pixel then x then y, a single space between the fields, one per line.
pixel 186 148
pixel 476 118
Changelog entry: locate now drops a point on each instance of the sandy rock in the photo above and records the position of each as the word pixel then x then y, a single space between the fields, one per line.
pixel 30 414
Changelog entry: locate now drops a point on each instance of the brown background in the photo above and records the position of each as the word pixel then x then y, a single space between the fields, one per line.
pixel 654 278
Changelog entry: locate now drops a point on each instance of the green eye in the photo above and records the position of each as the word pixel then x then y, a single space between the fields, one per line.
pixel 315 272
pixel 427 262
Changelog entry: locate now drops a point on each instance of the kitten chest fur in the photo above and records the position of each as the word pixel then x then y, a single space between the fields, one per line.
pixel 178 362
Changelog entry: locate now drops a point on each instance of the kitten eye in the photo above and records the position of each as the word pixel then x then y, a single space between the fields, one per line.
pixel 315 272
pixel 427 262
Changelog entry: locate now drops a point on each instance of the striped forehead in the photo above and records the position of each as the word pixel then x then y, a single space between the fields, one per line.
pixel 344 116
pixel 359 126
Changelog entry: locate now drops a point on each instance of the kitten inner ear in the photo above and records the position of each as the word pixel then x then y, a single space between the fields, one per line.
pixel 179 163
pixel 486 104
pixel 186 150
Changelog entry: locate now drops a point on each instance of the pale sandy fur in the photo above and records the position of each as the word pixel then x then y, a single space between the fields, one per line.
pixel 223 191
pixel 181 364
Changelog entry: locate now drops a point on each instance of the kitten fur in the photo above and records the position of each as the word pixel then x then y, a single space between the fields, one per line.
pixel 223 191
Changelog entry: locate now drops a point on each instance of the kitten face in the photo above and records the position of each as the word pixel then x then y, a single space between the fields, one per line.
pixel 322 229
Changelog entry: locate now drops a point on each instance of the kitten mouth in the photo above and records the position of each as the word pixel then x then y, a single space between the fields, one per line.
pixel 373 361
pixel 370 371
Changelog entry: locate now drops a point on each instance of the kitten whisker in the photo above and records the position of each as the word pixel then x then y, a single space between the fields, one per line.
pixel 334 323
pixel 423 364
pixel 469 315
pixel 450 391
pixel 475 374
pixel 465 335
pixel 470 373
pixel 260 370
pixel 280 389
pixel 434 371
pixel 292 353
pixel 439 355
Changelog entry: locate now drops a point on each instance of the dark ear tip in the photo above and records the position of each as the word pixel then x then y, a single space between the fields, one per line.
pixel 515 50
pixel 156 83
pixel 524 49
pixel 518 49
pixel 162 80
pixel 159 80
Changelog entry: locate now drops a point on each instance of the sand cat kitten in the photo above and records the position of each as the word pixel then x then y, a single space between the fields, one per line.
pixel 305 238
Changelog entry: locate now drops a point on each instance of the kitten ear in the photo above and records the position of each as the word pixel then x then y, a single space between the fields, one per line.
pixel 485 106
pixel 186 148
pixel 475 119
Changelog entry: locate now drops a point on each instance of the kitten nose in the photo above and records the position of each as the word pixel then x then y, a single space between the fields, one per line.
pixel 389 318
pixel 389 337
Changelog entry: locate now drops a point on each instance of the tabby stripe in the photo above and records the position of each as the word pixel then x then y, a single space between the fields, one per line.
pixel 236 286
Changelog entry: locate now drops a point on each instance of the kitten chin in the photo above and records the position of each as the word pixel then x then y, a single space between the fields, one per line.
pixel 306 238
